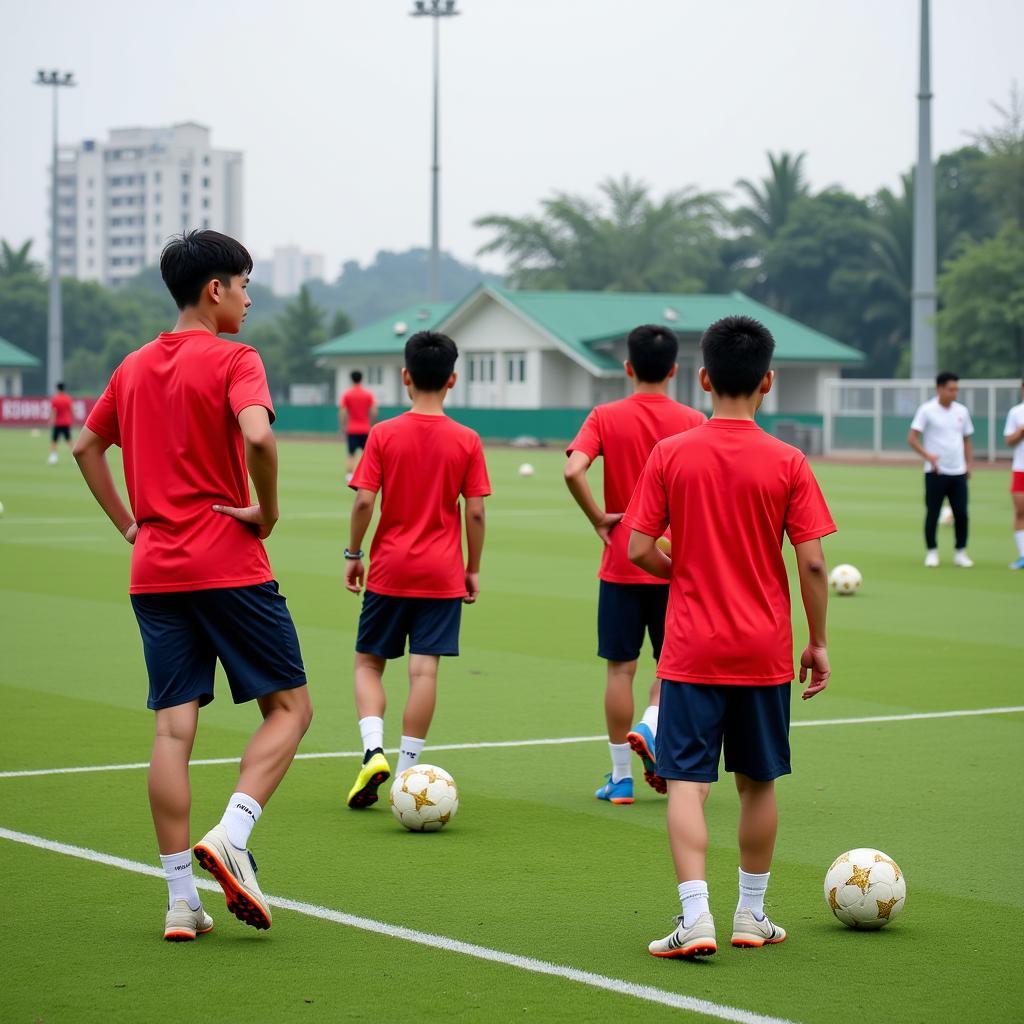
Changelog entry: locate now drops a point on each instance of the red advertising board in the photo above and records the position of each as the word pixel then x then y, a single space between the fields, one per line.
pixel 30 411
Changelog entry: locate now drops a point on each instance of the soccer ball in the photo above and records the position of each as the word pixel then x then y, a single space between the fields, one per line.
pixel 845 579
pixel 865 889
pixel 946 516
pixel 424 798
pixel 526 469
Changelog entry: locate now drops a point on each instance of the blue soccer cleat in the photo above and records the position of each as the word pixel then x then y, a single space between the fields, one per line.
pixel 1019 564
pixel 620 792
pixel 641 739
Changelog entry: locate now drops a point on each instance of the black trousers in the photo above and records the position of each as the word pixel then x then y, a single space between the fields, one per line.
pixel 936 489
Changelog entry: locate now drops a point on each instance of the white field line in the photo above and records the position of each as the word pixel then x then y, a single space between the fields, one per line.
pixel 442 942
pixel 554 742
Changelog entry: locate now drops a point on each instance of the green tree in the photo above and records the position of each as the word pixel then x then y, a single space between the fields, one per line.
pixel 301 325
pixel 341 323
pixel 16 261
pixel 1003 170
pixel 770 200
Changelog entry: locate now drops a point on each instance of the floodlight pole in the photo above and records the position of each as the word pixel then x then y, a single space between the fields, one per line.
pixel 923 297
pixel 435 9
pixel 54 331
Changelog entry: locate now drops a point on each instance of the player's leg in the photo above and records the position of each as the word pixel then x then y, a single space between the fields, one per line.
pixel 643 736
pixel 54 434
pixel 958 494
pixel 934 493
pixel 1018 519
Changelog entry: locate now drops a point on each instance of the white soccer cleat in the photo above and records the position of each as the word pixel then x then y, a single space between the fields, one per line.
pixel 697 940
pixel 961 558
pixel 235 872
pixel 749 933
pixel 931 560
pixel 183 923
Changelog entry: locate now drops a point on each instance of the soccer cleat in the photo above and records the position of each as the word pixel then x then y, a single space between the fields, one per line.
pixel 641 739
pixel 372 775
pixel 620 792
pixel 961 558
pixel 1019 564
pixel 931 560
pixel 697 940
pixel 183 923
pixel 749 933
pixel 235 872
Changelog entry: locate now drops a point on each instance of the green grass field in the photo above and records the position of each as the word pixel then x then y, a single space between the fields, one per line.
pixel 533 866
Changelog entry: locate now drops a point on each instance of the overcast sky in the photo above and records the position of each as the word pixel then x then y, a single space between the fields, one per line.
pixel 330 99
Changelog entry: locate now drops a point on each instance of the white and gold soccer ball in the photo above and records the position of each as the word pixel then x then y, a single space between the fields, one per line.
pixel 865 889
pixel 845 579
pixel 946 515
pixel 424 798
pixel 526 469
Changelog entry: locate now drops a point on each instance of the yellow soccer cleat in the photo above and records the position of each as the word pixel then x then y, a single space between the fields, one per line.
pixel 372 775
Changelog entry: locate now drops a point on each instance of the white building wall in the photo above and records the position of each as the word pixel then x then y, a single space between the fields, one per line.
pixel 800 389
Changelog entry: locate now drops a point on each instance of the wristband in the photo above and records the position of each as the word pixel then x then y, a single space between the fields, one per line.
pixel 353 556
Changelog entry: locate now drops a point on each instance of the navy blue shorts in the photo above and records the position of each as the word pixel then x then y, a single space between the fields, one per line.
pixel 356 442
pixel 625 611
pixel 248 629
pixel 431 625
pixel 695 718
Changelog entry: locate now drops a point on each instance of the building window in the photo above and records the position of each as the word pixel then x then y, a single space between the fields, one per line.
pixel 206 161
pixel 184 199
pixel 206 182
pixel 515 368
pixel 156 177
pixel 481 368
pixel 184 179
pixel 206 202
pixel 156 198
pixel 375 375
pixel 206 222
pixel 156 218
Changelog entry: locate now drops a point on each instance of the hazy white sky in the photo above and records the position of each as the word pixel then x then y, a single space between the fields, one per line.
pixel 330 99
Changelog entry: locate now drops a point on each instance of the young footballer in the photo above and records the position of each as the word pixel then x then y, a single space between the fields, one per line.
pixel 61 419
pixel 357 409
pixel 1013 434
pixel 730 492
pixel 631 602
pixel 422 463
pixel 191 414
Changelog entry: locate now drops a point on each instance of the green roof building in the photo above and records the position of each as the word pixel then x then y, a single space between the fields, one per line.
pixel 13 363
pixel 534 350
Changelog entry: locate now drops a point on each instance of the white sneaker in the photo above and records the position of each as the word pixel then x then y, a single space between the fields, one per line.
pixel 749 933
pixel 52 460
pixel 931 560
pixel 960 558
pixel 235 872
pixel 697 940
pixel 183 923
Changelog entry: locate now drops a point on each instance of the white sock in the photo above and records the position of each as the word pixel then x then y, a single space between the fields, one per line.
pixel 240 815
pixel 650 719
pixel 371 729
pixel 621 761
pixel 752 890
pixel 1018 536
pixel 180 883
pixel 409 752
pixel 694 898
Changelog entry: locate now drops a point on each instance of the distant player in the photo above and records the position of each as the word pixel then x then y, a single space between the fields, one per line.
pixel 357 409
pixel 191 414
pixel 941 434
pixel 730 492
pixel 1013 434
pixel 61 419
pixel 631 602
pixel 422 463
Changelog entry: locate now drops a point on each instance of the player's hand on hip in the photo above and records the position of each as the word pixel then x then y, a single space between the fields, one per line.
pixel 131 531
pixel 252 515
pixel 814 660
pixel 604 526
pixel 934 460
pixel 472 588
pixel 355 575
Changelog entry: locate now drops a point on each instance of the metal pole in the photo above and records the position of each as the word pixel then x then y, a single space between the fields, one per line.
pixel 922 335
pixel 54 333
pixel 435 172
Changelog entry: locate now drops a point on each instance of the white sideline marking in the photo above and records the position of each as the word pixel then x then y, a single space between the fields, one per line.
pixel 449 945
pixel 554 742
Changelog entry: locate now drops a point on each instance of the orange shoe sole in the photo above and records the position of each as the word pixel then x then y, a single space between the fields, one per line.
pixel 756 943
pixel 687 952
pixel 239 902
pixel 640 748
pixel 184 935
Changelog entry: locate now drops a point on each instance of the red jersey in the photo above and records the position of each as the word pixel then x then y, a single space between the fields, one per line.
pixel 172 406
pixel 60 404
pixel 624 433
pixel 730 491
pixel 357 402
pixel 421 465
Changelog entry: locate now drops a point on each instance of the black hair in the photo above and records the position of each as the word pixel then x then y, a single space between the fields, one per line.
pixel 191 260
pixel 430 359
pixel 737 354
pixel 60 385
pixel 944 378
pixel 357 376
pixel 652 352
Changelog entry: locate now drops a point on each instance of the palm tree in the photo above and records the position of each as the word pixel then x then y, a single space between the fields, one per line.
pixel 16 261
pixel 771 200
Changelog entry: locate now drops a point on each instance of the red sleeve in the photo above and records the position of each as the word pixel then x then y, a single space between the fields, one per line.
pixel 369 472
pixel 102 419
pixel 588 440
pixel 247 383
pixel 648 508
pixel 807 515
pixel 476 484
pixel 344 403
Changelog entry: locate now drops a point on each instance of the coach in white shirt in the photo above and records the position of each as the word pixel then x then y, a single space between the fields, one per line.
pixel 941 434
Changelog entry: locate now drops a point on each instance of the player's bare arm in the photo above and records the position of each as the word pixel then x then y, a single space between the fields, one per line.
pixel 645 553
pixel 968 454
pixel 813 571
pixel 576 480
pixel 475 524
pixel 90 454
pixel 261 462
pixel 914 440
pixel 359 523
pixel 1014 439
pixel 342 419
